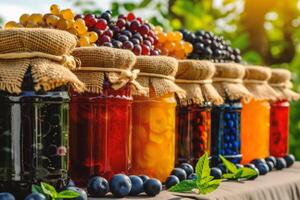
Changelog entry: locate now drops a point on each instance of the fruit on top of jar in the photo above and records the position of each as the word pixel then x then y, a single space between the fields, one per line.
pixel 207 45
pixel 172 44
pixel 62 19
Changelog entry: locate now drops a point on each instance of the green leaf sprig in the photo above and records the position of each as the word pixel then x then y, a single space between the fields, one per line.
pixel 51 194
pixel 204 182
pixel 235 173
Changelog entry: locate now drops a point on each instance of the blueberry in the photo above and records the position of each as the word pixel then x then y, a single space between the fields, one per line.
pixel 71 183
pixel 83 195
pixel 120 185
pixel 152 187
pixel 180 173
pixel 192 176
pixel 262 168
pixel 257 173
pixel 280 163
pixel 239 165
pixel 137 185
pixel 98 186
pixel 171 181
pixel 258 161
pixel 144 177
pixel 272 159
pixel 33 196
pixel 222 167
pixel 250 165
pixel 7 196
pixel 270 165
pixel 289 159
pixel 216 173
pixel 187 168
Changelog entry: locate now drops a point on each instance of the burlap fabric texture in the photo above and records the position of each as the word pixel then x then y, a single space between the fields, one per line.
pixel 228 81
pixel 280 81
pixel 158 74
pixel 46 51
pixel 195 77
pixel 256 81
pixel 114 64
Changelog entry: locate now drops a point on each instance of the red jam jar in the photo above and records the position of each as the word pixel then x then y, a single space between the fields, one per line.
pixel 100 121
pixel 279 116
pixel 279 128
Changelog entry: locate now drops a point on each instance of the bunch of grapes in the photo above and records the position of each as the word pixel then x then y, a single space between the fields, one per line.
pixel 171 44
pixel 57 19
pixel 127 32
pixel 206 45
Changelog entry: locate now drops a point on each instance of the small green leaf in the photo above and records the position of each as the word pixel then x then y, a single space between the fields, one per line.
pixel 239 173
pixel 228 176
pixel 229 165
pixel 184 186
pixel 248 173
pixel 205 180
pixel 49 190
pixel 202 167
pixel 68 194
pixel 36 189
pixel 210 186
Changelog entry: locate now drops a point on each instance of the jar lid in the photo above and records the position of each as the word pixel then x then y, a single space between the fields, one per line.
pixel 46 51
pixel 228 81
pixel 100 62
pixel 256 81
pixel 195 77
pixel 158 72
pixel 280 81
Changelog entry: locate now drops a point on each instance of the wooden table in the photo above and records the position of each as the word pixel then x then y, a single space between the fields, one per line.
pixel 277 185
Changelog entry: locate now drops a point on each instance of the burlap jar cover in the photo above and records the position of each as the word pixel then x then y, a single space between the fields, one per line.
pixel 256 81
pixel 158 73
pixel 46 51
pixel 195 77
pixel 228 81
pixel 280 81
pixel 114 64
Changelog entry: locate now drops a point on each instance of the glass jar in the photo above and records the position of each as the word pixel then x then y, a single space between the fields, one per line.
pixel 255 130
pixel 100 134
pixel 153 150
pixel 225 132
pixel 279 128
pixel 193 133
pixel 34 129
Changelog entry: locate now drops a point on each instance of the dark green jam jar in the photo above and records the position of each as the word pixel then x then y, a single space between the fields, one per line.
pixel 34 130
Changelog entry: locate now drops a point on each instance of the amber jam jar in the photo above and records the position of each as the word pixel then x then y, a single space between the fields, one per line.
pixel 100 118
pixel 193 112
pixel 34 129
pixel 279 117
pixel 153 127
pixel 226 118
pixel 100 133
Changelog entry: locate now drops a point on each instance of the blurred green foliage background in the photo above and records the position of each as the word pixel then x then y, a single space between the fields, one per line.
pixel 266 31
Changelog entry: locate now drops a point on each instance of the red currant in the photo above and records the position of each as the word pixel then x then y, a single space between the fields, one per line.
pixel 145 50
pixel 134 26
pixel 128 45
pixel 101 24
pixel 143 30
pixel 137 50
pixel 130 16
pixel 121 23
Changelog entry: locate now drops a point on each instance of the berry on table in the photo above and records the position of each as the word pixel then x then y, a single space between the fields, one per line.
pixel 280 163
pixel 120 185
pixel 137 185
pixel 171 181
pixel 6 196
pixel 180 173
pixel 216 173
pixel 187 168
pixel 262 168
pixel 152 187
pixel 289 159
pixel 98 187
pixel 81 192
pixel 144 177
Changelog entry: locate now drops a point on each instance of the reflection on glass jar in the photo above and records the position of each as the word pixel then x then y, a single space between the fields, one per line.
pixel 34 131
pixel 193 133
pixel 100 134
pixel 153 150
pixel 225 131
pixel 279 128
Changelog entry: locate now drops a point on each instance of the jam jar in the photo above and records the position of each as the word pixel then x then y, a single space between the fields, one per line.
pixel 193 132
pixel 34 129
pixel 279 128
pixel 154 136
pixel 100 133
pixel 225 131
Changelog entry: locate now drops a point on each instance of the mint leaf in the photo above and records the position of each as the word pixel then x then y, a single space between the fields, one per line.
pixel 68 194
pixel 210 186
pixel 228 176
pixel 229 165
pixel 49 190
pixel 202 167
pixel 205 180
pixel 239 173
pixel 36 189
pixel 184 186
pixel 248 173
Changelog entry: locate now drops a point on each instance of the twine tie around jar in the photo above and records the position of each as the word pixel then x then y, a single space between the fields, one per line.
pixel 171 78
pixel 252 81
pixel 66 60
pixel 229 80
pixel 194 81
